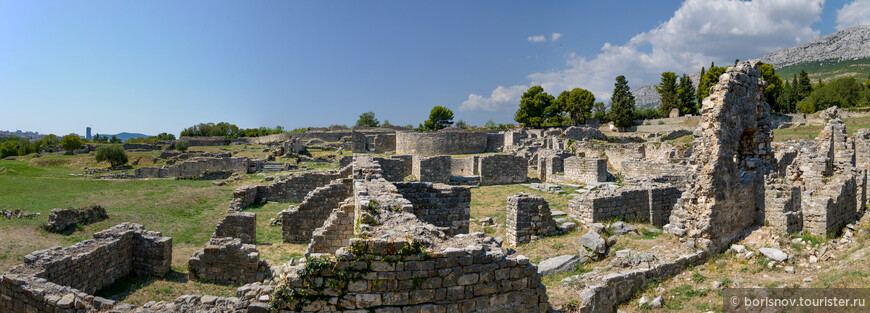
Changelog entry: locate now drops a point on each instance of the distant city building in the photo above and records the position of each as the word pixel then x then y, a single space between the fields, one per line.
pixel 88 134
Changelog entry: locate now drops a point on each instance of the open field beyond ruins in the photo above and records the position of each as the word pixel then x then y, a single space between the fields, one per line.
pixel 660 218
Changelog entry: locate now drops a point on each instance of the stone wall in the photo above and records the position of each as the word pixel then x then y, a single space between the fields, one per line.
pixel 499 169
pixel 444 142
pixel 289 189
pixel 439 205
pixel 196 167
pixel 299 222
pixel 395 168
pixel 732 156
pixel 381 143
pixel 603 294
pixel 782 207
pixel 335 232
pixel 204 141
pixel 238 225
pixel 528 217
pixel 514 137
pixel 431 169
pixel 828 209
pixel 581 133
pixel 227 261
pixel 60 220
pixel 60 279
pixel 615 153
pixel 464 166
pixel 471 279
pixel 494 142
pixel 585 170
pixel 651 203
pixel 648 169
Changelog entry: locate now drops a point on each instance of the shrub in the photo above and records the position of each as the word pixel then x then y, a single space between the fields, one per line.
pixel 182 145
pixel 115 154
pixel 71 143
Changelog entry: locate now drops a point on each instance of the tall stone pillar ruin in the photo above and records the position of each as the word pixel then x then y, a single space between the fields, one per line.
pixel 725 195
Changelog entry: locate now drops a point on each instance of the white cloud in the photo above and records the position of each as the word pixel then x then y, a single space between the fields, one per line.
pixel 500 96
pixel 699 32
pixel 538 38
pixel 555 36
pixel 852 14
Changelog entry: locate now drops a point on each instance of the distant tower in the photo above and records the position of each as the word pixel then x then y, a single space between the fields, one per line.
pixel 88 133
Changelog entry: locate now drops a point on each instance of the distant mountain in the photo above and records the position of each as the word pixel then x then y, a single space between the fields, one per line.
pixel 647 96
pixel 842 54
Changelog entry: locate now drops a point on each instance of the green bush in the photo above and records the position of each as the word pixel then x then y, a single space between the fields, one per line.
pixel 115 154
pixel 71 143
pixel 182 145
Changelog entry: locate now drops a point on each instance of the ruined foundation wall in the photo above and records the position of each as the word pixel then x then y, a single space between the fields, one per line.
pixel 499 169
pixel 439 205
pixel 585 170
pixel 335 232
pixel 528 217
pixel 828 210
pixel 81 269
pixel 431 169
pixel 196 168
pixel 464 166
pixel 394 169
pixel 238 225
pixel 290 189
pixel 449 280
pixel 227 261
pixel 441 142
pixel 782 207
pixel 651 203
pixel 298 223
pixel 650 169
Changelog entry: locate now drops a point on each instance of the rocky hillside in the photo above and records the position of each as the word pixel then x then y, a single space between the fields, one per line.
pixel 646 96
pixel 848 44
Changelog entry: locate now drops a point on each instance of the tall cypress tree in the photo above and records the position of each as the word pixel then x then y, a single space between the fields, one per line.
pixel 668 93
pixel 622 104
pixel 686 96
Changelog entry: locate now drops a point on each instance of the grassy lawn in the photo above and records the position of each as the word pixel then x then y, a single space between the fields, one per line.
pixel 186 210
pixel 810 132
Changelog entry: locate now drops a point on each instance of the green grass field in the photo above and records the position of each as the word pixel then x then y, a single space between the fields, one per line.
pixel 828 70
pixel 810 132
pixel 186 210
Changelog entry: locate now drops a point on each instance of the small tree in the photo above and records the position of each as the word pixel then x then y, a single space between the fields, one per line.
pixel 462 124
pixel 114 139
pixel 667 90
pixel 622 104
pixel 71 143
pixel 165 136
pixel 686 96
pixel 367 119
pixel 182 145
pixel 439 118
pixel 577 103
pixel 533 105
pixel 115 154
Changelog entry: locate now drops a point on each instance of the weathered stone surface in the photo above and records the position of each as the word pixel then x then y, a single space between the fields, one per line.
pixel 621 228
pixel 559 264
pixel 528 217
pixel 592 241
pixel 60 220
pixel 773 254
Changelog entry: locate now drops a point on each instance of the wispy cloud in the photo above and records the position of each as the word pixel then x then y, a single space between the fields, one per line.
pixel 555 36
pixel 538 38
pixel 852 14
pixel 699 32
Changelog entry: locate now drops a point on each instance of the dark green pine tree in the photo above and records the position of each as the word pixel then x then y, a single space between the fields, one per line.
pixel 667 93
pixel 686 96
pixel 622 104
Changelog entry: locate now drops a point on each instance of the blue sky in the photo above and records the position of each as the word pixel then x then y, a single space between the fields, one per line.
pixel 155 66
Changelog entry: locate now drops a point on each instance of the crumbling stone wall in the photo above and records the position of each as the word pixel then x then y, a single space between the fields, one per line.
pixel 782 207
pixel 395 168
pixel 443 142
pixel 581 133
pixel 602 295
pixel 499 169
pixel 514 137
pixel 732 155
pixel 298 222
pixel 470 279
pixel 238 225
pixel 585 170
pixel 648 169
pixel 381 143
pixel 60 279
pixel 439 205
pixel 196 167
pixel 651 203
pixel 228 261
pixel 290 189
pixel 194 141
pixel 494 142
pixel 528 217
pixel 615 153
pixel 464 166
pixel 431 169
pixel 60 220
pixel 335 232
pixel 827 210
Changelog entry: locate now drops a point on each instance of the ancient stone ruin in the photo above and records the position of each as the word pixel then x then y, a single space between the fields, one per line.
pixel 528 217
pixel 62 220
pixel 63 279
